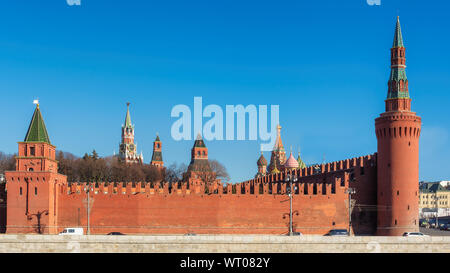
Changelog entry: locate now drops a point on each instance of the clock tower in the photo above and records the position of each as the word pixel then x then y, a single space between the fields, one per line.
pixel 127 148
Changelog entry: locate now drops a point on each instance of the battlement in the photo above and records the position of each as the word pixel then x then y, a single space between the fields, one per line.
pixel 324 179
pixel 332 167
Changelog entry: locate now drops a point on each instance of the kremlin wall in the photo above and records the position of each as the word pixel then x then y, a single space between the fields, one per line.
pixel 40 200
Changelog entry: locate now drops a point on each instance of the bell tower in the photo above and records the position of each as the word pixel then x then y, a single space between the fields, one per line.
pixel 398 131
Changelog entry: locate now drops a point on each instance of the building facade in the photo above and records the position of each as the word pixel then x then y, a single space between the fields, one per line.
pixel 434 199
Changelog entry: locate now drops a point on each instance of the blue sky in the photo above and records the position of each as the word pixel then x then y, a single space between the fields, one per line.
pixel 326 63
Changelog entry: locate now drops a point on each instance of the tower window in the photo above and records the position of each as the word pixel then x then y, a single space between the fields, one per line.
pixel 395 222
pixel 20 191
pixel 32 151
pixel 35 190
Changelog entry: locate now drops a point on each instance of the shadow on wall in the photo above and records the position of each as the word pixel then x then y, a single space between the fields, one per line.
pixel 39 228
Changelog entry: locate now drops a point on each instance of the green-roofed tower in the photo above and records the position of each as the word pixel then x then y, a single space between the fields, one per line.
pixel 398 82
pixel 36 130
pixel 398 131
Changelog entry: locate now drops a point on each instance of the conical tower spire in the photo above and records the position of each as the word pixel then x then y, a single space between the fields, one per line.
pixel 398 38
pixel 128 117
pixel 36 130
pixel 398 92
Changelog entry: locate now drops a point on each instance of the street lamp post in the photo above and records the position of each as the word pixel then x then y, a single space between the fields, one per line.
pixel 88 189
pixel 350 191
pixel 290 179
pixel 437 209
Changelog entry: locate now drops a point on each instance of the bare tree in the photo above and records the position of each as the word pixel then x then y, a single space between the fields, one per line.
pixel 210 172
pixel 220 170
pixel 7 162
pixel 175 173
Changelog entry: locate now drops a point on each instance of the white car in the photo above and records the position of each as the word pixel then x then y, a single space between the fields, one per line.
pixel 72 231
pixel 410 234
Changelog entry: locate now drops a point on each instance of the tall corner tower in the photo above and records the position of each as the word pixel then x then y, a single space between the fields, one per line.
pixel 398 131
pixel 127 147
pixel 34 187
pixel 157 153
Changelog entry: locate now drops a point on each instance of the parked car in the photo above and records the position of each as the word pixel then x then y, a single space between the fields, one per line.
pixel 297 233
pixel 72 231
pixel 424 224
pixel 115 233
pixel 413 234
pixel 190 234
pixel 337 232
pixel 444 227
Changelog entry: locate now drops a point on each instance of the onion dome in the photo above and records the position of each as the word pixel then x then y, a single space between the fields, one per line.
pixel 262 161
pixel 301 164
pixel 291 163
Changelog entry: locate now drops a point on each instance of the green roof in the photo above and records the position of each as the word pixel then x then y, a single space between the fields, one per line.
pixel 398 38
pixel 301 164
pixel 157 138
pixel 128 117
pixel 37 131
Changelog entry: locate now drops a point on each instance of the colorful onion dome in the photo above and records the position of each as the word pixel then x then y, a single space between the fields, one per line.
pixel 291 162
pixel 262 161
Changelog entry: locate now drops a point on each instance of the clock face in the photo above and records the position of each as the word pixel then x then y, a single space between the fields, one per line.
pixel 131 147
pixel 122 148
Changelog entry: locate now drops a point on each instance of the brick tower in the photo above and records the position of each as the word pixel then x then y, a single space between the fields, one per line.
pixel 127 147
pixel 33 188
pixel 398 131
pixel 199 159
pixel 157 153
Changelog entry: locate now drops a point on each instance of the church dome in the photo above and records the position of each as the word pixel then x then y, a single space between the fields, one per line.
pixel 262 161
pixel 291 162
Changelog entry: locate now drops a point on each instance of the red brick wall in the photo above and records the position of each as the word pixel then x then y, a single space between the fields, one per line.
pixel 133 210
pixel 319 203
